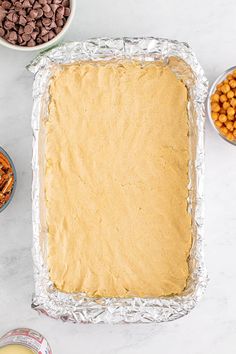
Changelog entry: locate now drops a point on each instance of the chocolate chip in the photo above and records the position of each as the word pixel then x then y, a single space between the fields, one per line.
pixel 6 5
pixel 2 32
pixel 22 12
pixel 45 38
pixel 58 30
pixel 26 4
pixel 67 11
pixel 26 37
pixel 8 24
pixel 12 17
pixel 39 23
pixel 18 5
pixel 2 14
pixel 34 34
pixel 36 5
pixel 19 39
pixel 39 40
pixel 40 13
pixel 28 29
pixel 59 23
pixel 21 30
pixel 46 21
pixel 54 7
pixel 13 36
pixel 61 10
pixel 51 35
pixel 32 24
pixel 53 25
pixel 22 21
pixel 46 8
pixel 49 14
pixel 31 43
pixel 33 13
pixel 66 3
pixel 42 2
pixel 57 1
pixel 59 16
pixel 44 31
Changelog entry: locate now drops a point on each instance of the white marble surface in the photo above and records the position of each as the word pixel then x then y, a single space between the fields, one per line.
pixel 209 27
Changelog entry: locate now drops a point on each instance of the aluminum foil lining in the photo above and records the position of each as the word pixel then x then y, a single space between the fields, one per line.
pixel 78 307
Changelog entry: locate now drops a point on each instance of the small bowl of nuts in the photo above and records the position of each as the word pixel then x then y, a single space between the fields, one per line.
pixel 28 25
pixel 7 179
pixel 221 105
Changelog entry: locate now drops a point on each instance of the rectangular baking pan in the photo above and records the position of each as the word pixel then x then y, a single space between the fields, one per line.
pixel 77 307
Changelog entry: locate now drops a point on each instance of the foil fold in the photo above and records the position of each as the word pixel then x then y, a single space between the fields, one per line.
pixel 77 307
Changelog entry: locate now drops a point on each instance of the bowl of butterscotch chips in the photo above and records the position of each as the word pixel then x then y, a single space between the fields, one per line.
pixel 221 105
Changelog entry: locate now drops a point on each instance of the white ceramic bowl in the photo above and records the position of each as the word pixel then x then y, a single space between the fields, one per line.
pixel 49 43
pixel 219 79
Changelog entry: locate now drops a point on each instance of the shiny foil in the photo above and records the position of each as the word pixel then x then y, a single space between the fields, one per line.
pixel 78 307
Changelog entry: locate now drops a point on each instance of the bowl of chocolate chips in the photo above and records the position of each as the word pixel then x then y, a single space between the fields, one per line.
pixel 28 25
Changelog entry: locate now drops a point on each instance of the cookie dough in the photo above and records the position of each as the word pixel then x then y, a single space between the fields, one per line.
pixel 116 177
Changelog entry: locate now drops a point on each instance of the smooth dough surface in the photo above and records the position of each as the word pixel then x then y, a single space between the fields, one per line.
pixel 116 178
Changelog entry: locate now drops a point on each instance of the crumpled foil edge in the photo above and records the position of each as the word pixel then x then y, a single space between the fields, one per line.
pixel 77 307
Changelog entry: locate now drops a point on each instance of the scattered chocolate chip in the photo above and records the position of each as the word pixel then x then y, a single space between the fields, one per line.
pixel 42 2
